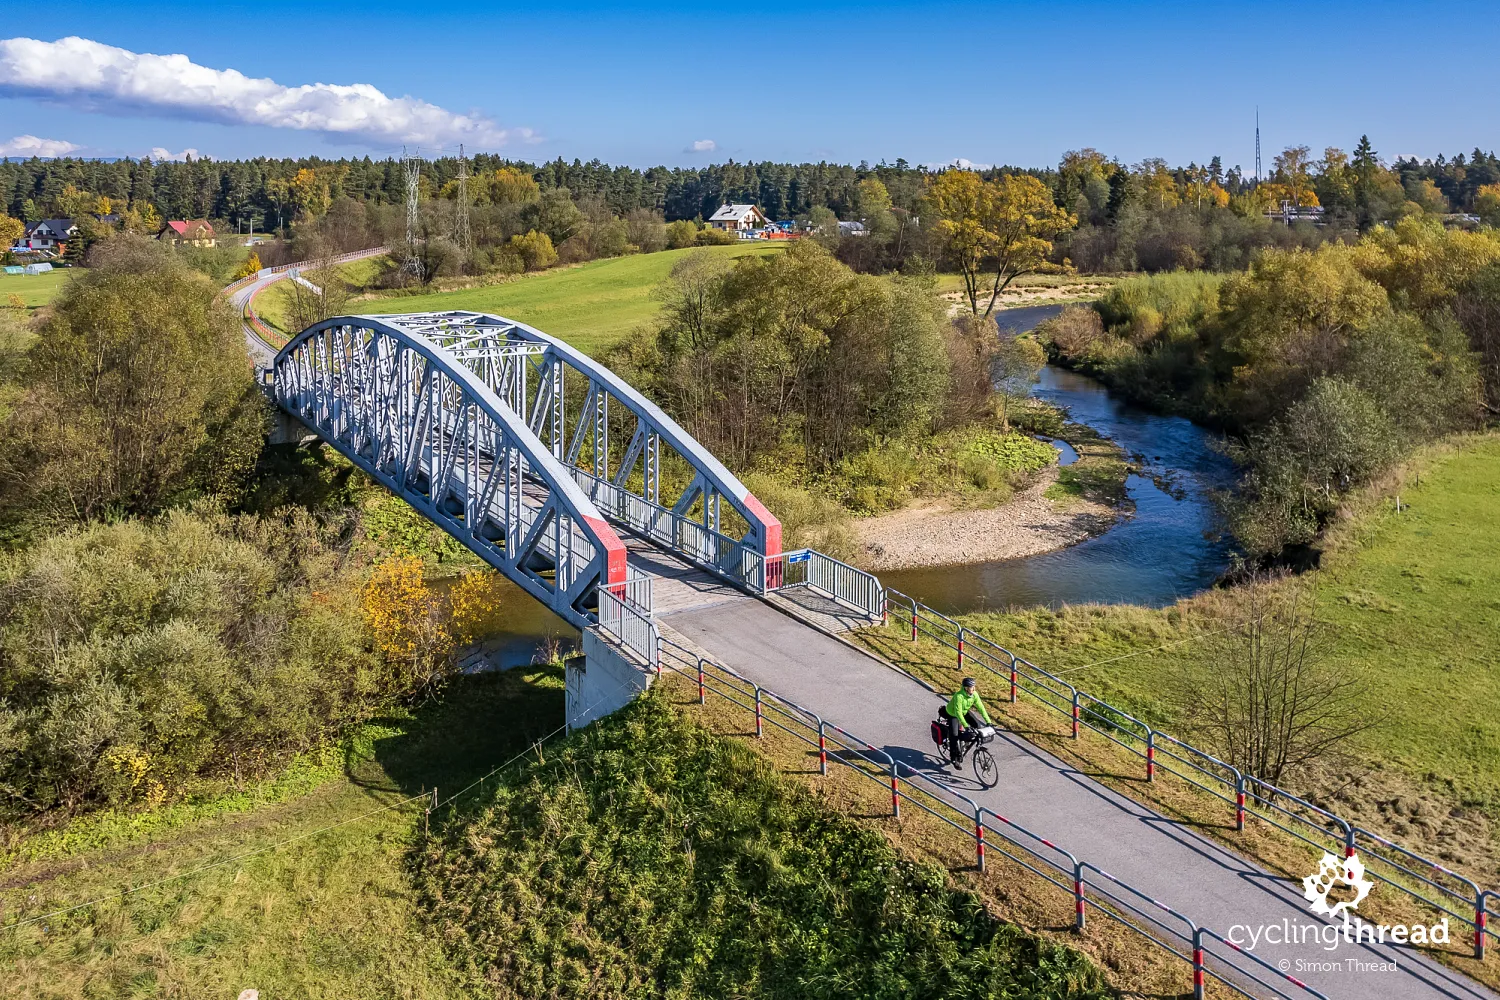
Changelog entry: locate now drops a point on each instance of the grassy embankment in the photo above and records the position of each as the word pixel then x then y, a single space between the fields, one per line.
pixel 649 857
pixel 589 305
pixel 1412 606
pixel 34 290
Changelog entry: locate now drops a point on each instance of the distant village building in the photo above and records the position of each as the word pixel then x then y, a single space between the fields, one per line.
pixel 193 231
pixel 737 218
pixel 852 229
pixel 48 234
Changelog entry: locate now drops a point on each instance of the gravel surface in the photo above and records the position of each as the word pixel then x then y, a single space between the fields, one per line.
pixel 937 536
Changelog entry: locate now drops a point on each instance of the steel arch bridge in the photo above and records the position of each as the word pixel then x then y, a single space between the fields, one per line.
pixel 525 450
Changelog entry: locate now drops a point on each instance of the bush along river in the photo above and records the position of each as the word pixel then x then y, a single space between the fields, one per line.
pixel 1167 548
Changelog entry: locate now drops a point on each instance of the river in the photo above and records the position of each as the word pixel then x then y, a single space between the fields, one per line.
pixel 1165 549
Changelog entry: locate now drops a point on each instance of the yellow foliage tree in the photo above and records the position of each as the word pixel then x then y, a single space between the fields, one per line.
pixel 10 231
pixel 249 267
pixel 1005 225
pixel 1486 204
pixel 406 621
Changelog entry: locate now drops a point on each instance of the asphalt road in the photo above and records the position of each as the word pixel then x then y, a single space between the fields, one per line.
pixel 1196 876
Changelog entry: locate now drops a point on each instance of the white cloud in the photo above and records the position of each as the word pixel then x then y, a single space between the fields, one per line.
pixel 159 153
pixel 702 146
pixel 30 145
pixel 83 73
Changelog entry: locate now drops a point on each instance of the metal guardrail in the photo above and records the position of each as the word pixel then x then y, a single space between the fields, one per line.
pixel 1424 880
pixel 632 627
pixel 1090 888
pixel 844 583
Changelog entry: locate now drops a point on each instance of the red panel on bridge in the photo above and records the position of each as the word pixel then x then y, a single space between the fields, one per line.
pixel 772 526
pixel 614 550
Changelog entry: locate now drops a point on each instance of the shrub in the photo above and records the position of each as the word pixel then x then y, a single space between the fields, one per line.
pixel 708 236
pixel 535 250
pixel 681 234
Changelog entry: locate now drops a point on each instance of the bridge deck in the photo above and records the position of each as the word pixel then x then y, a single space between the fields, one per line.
pixel 1040 792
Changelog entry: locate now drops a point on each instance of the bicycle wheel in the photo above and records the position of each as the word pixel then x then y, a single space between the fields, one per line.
pixel 985 768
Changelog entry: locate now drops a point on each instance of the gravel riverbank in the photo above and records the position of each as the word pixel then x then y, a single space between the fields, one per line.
pixel 931 535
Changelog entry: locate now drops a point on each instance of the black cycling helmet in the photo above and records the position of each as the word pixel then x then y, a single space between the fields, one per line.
pixel 970 684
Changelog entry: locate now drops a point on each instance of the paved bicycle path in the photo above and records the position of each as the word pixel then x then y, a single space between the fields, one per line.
pixel 1196 876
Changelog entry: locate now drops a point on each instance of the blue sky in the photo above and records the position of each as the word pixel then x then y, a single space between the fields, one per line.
pixel 640 83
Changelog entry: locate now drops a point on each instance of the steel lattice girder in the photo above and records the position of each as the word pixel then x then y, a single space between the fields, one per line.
pixel 426 419
pixel 500 351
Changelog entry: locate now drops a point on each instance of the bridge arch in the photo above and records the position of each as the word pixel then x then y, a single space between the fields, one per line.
pixel 524 449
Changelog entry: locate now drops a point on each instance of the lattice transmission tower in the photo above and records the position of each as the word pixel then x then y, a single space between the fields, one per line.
pixel 1257 145
pixel 461 236
pixel 412 166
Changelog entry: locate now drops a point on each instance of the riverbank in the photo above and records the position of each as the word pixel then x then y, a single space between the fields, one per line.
pixel 1052 513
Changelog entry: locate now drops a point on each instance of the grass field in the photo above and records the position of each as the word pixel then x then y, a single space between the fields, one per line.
pixel 35 290
pixel 326 915
pixel 589 305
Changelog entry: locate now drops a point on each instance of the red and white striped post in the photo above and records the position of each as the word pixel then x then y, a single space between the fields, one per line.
pixel 979 835
pixel 913 621
pixel 1479 922
pixel 1079 920
pixel 1150 755
pixel 1075 715
pixel 1239 802
pixel 1197 963
pixel 822 751
pixel 895 791
pixel 701 699
pixel 757 712
pixel 960 649
pixel 1013 680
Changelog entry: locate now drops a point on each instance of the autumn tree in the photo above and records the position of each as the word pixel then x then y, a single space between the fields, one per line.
pixel 136 394
pixel 1014 367
pixel 1004 226
pixel 10 230
pixel 416 629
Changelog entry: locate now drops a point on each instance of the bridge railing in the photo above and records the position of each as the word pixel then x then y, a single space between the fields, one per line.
pixel 682 535
pixel 844 583
pixel 629 625
pixel 1423 880
pixel 1085 887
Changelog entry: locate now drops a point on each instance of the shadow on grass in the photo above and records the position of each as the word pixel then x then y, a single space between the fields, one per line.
pixel 477 723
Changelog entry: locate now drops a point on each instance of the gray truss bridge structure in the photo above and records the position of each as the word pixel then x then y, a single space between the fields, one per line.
pixel 526 451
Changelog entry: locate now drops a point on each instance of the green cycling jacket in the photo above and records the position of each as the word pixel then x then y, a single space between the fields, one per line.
pixel 960 704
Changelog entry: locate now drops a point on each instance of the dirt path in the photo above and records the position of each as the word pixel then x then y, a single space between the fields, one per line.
pixel 931 535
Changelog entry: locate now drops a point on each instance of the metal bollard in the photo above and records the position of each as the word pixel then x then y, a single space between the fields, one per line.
pixel 914 623
pixel 701 699
pixel 979 835
pixel 1150 755
pixel 960 649
pixel 822 751
pixel 1479 921
pixel 757 712
pixel 895 791
pixel 1075 715
pixel 1239 803
pixel 1013 680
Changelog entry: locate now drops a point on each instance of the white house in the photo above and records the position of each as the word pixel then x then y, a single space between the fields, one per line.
pixel 48 234
pixel 737 218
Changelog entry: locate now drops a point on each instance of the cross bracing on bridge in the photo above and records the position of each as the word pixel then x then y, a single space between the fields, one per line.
pixel 523 448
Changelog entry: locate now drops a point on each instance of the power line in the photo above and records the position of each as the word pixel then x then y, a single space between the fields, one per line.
pixel 1257 144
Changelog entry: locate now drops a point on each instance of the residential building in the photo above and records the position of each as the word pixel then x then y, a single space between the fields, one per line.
pixel 196 232
pixel 737 218
pixel 48 234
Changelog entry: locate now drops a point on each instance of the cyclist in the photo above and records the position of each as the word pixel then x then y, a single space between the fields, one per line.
pixel 965 707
